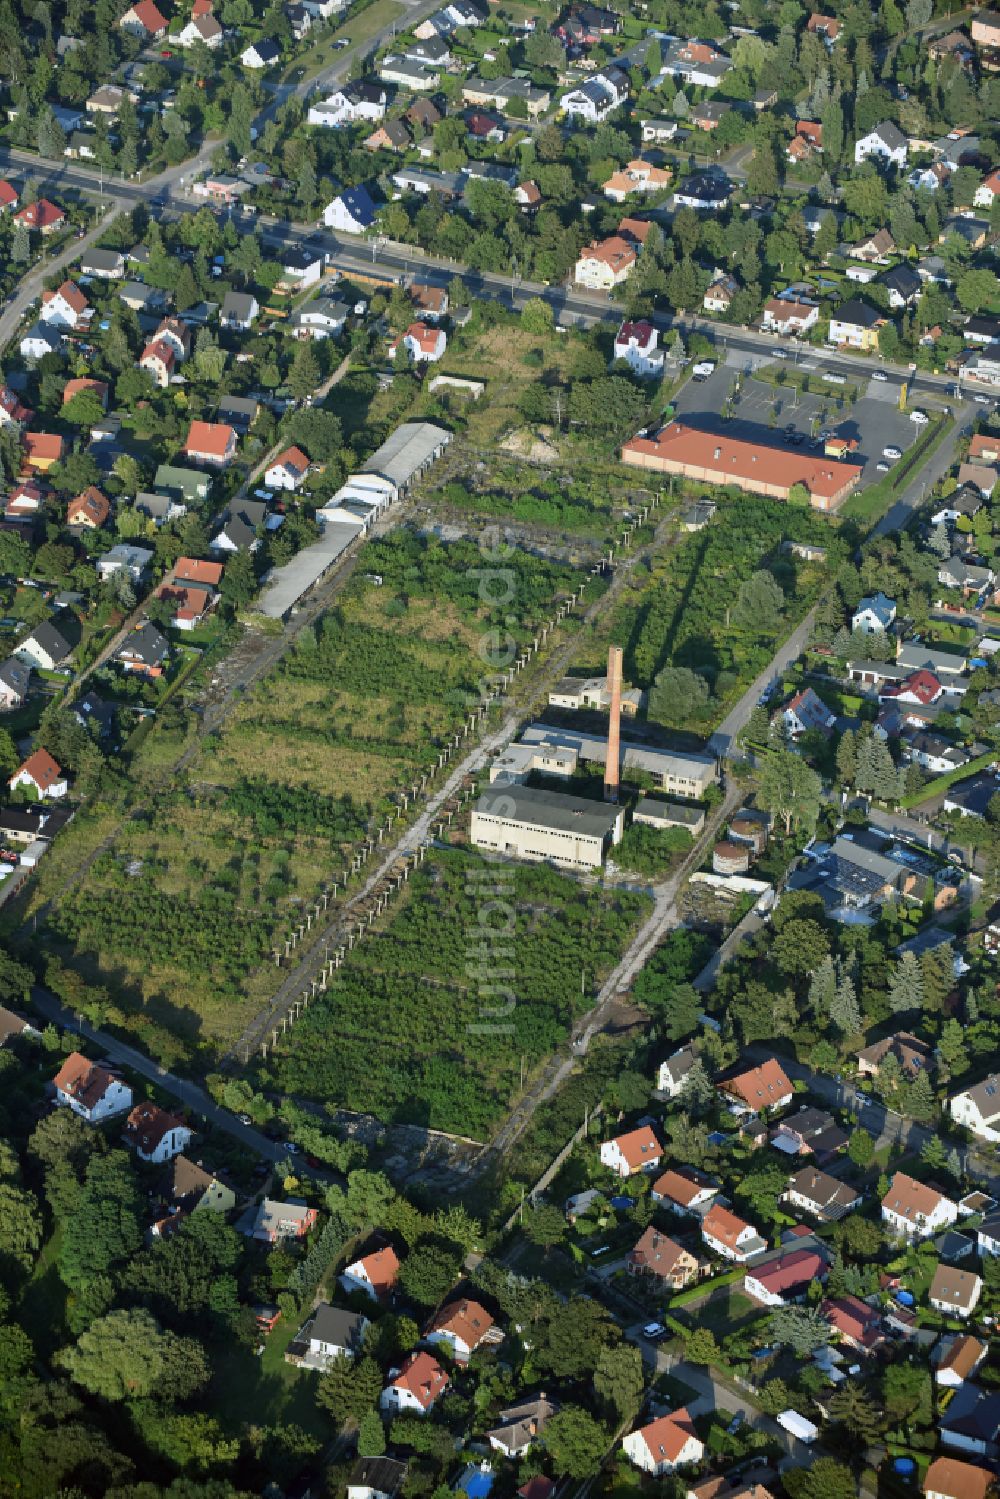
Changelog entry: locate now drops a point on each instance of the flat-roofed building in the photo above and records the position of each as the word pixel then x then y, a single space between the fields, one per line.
pixel 529 824
pixel 677 772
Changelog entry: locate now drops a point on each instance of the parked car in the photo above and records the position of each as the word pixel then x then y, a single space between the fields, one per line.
pixel 881 468
pixel 879 375
pixel 653 1331
pixel 919 418
pixel 892 453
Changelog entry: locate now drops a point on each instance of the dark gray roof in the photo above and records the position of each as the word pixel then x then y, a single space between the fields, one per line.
pixel 857 312
pixel 50 640
pixel 15 674
pixel 384 1475
pixel 549 809
pixel 146 645
pixel 333 1325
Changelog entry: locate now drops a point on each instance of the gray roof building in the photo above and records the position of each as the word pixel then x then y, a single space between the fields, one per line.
pixel 404 456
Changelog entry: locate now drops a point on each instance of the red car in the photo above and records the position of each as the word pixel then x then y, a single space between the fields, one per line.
pixel 166 54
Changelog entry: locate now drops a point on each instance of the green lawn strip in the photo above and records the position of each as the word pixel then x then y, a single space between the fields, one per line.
pixel 43 1302
pixel 941 783
pixel 265 1391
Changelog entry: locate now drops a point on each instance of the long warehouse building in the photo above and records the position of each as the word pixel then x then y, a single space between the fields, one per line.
pixel 525 823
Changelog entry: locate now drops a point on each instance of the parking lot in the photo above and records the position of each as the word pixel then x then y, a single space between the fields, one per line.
pixel 762 412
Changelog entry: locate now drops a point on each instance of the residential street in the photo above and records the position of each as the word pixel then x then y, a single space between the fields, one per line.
pixel 33 283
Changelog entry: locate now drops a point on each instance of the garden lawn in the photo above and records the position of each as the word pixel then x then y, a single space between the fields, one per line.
pixel 265 1391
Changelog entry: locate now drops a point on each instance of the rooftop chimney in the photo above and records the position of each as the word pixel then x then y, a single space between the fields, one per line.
pixel 611 766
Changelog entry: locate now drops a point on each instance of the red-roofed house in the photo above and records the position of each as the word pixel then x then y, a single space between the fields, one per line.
pixel 96 388
pixel 193 570
pixel 12 413
pixel 785 316
pixel 156 1135
pixel 190 603
pixel 159 360
pixel 920 687
pixel 763 1087
pixel 90 509
pixel 424 343
pixel 984 448
pixel 8 195
pixel 24 502
pixel 914 1210
pixel 857 1324
pixel 665 1444
pixel 806 713
pixel 715 459
pixel 461 1327
pixel 41 774
pixel 415 1388
pixel 951 1478
pixel 66 307
pixel 639 1150
pixel 44 216
pixel 637 343
pixel 213 443
pixel 288 471
pixel 828 27
pixel 729 1235
pixel 375 1274
pixel 90 1090
pixel 785 1279
pixel 807 141
pixel 42 450
pixel 144 21
pixel 605 263
pixel 988 191
pixel 681 1192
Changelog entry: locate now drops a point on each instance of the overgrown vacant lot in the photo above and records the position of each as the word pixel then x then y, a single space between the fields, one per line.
pixel 407 1032
pixel 179 918
pixel 684 608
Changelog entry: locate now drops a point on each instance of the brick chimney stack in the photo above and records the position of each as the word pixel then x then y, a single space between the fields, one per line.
pixel 614 724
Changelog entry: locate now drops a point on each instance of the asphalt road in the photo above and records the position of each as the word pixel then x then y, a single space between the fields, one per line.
pixel 192 1098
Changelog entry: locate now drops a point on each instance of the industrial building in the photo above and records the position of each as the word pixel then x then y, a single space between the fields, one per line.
pixel 524 823
pixel 676 772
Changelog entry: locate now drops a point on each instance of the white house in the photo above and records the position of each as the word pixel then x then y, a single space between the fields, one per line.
pixel 424 343
pixel 40 339
pixel 288 471
pixel 639 1150
pixel 352 211
pixel 672 1074
pixel 805 712
pixel 365 99
pixel 155 1135
pixel 205 29
pixel 786 316
pixel 682 1193
pixel 45 648
pixel 955 1292
pixel 66 307
pixel 374 1273
pixel 988 191
pixel 978 1108
pixel 638 344
pixel 886 143
pixel 459 1328
pixel 599 97
pixel 874 614
pixel 90 1090
pixel 261 54
pixel 40 774
pixel 415 1387
pixel 730 1236
pixel 333 1334
pixel 988 1235
pixel 14 678
pixel 664 1445
pixel 914 1211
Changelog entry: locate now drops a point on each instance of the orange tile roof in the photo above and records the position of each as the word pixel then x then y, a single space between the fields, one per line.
pixel 656 1252
pixel 730 460
pixel 381 1268
pixel 678 1187
pixel 910 1199
pixel 667 1436
pixel 8 195
pixel 292 458
pixel 959 1480
pixel 193 570
pixel 147 1124
pixel 42 769
pixel 90 506
pixel 759 1087
pixel 963 1356
pixel 466 1320
pixel 43 447
pixel 616 253
pixel 70 294
pixel 211 438
pixel 40 215
pixel 147 15
pixel 723 1225
pixel 638 1147
pixel 160 351
pixel 75 387
pixel 424 1377
pixel 83 1080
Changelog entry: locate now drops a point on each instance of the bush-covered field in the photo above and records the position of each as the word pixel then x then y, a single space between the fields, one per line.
pixel 178 919
pixel 412 1030
pixel 684 608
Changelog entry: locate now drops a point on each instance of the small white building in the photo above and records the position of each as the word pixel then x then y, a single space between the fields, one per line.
pixel 415 1387
pixel 978 1108
pixel 288 471
pixel 664 1445
pixel 874 615
pixel 155 1135
pixel 885 144
pixel 730 1236
pixel 459 1328
pixel 914 1211
pixel 954 1292
pixel 332 1334
pixel 91 1090
pixel 351 212
pixel 638 344
pixel 639 1150
pixel 375 1274
pixel 672 1074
